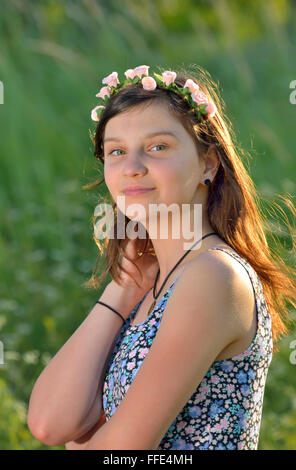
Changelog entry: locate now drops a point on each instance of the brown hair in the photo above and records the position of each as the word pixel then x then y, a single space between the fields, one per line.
pixel 232 205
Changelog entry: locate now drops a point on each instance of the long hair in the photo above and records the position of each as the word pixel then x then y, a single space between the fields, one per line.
pixel 232 206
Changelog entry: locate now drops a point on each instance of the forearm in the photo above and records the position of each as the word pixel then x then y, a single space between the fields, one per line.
pixel 66 389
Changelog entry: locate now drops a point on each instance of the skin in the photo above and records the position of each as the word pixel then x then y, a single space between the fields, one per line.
pixel 163 162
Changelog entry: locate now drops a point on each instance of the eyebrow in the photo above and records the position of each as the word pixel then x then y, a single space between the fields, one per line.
pixel 152 134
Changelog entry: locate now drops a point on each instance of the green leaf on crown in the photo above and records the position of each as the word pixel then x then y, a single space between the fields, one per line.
pixel 202 109
pixel 158 77
pixel 136 80
pixel 113 90
pixel 185 91
pixel 192 103
pixel 122 84
pixel 173 86
pixel 98 111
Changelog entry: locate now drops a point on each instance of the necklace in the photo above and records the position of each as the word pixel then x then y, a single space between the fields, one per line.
pixel 157 275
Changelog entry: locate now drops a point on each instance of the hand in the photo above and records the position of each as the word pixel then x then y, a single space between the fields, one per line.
pixel 145 275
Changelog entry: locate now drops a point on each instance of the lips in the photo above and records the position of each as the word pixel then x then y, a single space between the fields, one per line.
pixel 137 190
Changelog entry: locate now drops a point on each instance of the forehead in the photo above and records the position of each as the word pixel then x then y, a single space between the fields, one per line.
pixel 149 116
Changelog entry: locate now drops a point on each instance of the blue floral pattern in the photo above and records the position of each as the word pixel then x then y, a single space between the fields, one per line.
pixel 224 412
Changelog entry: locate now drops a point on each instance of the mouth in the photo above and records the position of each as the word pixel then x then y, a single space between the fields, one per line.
pixel 137 192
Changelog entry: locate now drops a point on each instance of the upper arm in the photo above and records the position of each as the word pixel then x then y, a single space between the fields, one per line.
pixel 196 326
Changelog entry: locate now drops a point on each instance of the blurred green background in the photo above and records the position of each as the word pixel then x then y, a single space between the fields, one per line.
pixel 54 55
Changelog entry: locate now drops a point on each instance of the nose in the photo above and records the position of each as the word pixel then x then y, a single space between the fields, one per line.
pixel 134 165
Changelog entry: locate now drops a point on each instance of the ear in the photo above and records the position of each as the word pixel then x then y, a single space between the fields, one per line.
pixel 212 161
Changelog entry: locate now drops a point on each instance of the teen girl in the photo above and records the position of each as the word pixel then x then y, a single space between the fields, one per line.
pixel 176 352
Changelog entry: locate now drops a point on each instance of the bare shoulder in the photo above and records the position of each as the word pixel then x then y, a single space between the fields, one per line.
pixel 208 282
pixel 226 281
pixel 226 267
pixel 214 262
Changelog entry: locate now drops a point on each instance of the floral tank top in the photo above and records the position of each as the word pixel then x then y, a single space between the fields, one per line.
pixel 225 410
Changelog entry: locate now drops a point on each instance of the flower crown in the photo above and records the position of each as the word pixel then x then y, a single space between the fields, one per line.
pixel 190 91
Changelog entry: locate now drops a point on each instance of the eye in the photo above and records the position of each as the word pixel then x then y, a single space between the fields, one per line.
pixel 115 150
pixel 160 145
pixel 111 152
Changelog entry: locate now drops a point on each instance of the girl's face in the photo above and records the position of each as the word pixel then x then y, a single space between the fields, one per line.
pixel 167 162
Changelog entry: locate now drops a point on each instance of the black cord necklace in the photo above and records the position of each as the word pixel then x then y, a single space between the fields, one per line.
pixel 157 275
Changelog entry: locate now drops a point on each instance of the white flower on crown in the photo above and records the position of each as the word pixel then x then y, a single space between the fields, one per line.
pixel 149 83
pixel 141 70
pixel 111 80
pixel 211 109
pixel 191 85
pixel 137 72
pixel 129 73
pixel 94 114
pixel 104 91
pixel 168 77
pixel 199 97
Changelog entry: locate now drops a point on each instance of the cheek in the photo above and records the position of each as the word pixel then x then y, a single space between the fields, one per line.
pixel 110 179
pixel 182 181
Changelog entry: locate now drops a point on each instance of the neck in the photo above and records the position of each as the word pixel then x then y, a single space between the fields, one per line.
pixel 169 252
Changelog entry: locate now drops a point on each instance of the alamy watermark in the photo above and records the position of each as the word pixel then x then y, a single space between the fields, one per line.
pixel 293 353
pixel 160 216
pixel 1 93
pixel 1 352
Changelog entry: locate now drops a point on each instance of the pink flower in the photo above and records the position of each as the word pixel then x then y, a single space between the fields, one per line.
pixel 143 352
pixel 111 80
pixel 94 114
pixel 199 97
pixel 200 396
pixel 168 77
pixel 189 429
pixel 181 425
pixel 129 73
pixel 130 365
pixel 141 70
pixel 104 91
pixel 205 389
pixel 149 83
pixel 211 109
pixel 191 85
pixel 214 379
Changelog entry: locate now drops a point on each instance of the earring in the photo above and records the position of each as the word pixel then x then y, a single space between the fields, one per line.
pixel 207 182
